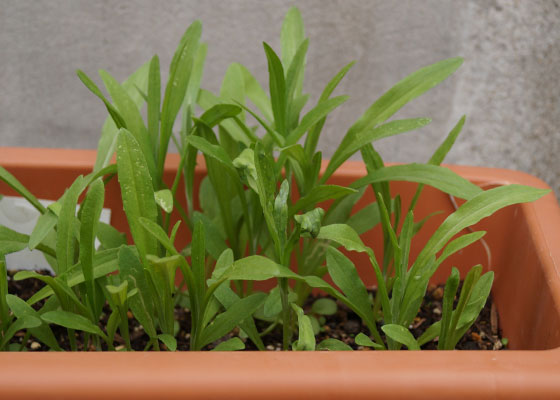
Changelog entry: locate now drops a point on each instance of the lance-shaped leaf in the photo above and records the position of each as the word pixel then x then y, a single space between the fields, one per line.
pixel 22 190
pixel 277 86
pixel 344 275
pixel 21 310
pixel 65 238
pixel 402 335
pixel 179 74
pixel 439 177
pixel 137 192
pixel 348 147
pixel 90 214
pixel 471 212
pixel 229 319
pixel 72 321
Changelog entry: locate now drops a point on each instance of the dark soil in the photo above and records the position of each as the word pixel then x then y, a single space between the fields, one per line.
pixel 485 333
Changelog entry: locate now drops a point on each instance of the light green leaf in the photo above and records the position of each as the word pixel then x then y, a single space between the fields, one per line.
pixel 65 238
pixel 439 177
pixel 134 84
pixel 471 212
pixel 277 85
pixel 109 237
pixel 306 337
pixel 363 340
pixel 350 146
pixel 71 321
pixel 402 335
pixel 333 345
pixel 344 275
pixel 232 344
pixel 164 199
pixel 22 190
pixel 232 317
pixel 12 241
pixel 137 191
pixel 169 341
pixel 324 306
pixel 343 235
pixel 45 224
pixel 90 214
pixel 211 150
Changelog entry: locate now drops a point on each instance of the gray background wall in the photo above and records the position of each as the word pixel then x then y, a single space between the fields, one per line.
pixel 508 86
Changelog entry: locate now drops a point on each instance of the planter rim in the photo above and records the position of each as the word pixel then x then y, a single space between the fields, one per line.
pixel 435 374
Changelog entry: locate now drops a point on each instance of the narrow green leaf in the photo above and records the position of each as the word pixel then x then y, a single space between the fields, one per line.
pixel 141 305
pixel 45 224
pixel 109 237
pixel 348 147
pixel 258 268
pixel 343 235
pixel 229 319
pixel 154 99
pixel 179 75
pixel 402 335
pixel 11 241
pixel 406 90
pixel 90 214
pixel 333 345
pixel 198 258
pixel 439 177
pixel 256 93
pixel 22 190
pixel 344 275
pixel 365 219
pixel 137 191
pixel 65 239
pixel 316 114
pixel 216 114
pixel 312 137
pixel 215 242
pixel 447 308
pixel 277 89
pixel 134 85
pixel 363 340
pixel 471 212
pixel 117 118
pixel 211 150
pixel 169 341
pixel 292 35
pixel 21 310
pixel 131 115
pixel 71 321
pixel 232 344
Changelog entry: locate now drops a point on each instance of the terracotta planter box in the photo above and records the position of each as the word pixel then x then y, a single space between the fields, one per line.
pixel 525 255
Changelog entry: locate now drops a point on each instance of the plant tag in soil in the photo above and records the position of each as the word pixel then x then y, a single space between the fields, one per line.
pixel 17 214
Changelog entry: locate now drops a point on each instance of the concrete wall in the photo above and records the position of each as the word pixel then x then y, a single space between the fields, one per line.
pixel 508 87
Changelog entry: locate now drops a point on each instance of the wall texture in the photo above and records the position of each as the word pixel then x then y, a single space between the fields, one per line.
pixel 508 86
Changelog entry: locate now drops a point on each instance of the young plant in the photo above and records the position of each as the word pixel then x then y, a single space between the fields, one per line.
pixel 263 215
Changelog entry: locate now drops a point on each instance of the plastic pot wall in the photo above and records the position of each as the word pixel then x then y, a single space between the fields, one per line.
pixel 524 244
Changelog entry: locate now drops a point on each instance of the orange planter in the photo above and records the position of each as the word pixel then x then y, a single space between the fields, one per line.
pixel 525 254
